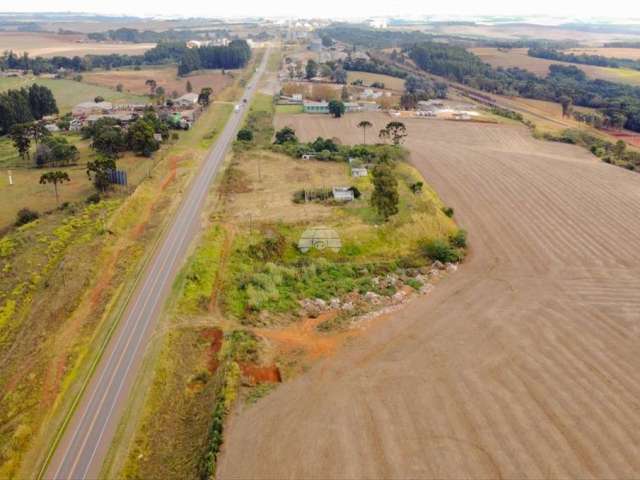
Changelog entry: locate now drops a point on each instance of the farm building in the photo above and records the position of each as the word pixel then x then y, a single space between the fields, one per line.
pixel 89 108
pixel 323 107
pixel 187 100
pixel 343 194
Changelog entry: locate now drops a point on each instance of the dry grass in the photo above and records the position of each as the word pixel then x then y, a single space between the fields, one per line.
pixel 52 44
pixel 272 179
pixel 517 57
pixel 134 81
pixel 630 53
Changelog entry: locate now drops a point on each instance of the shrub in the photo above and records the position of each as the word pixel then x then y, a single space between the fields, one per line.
pixel 270 248
pixel 441 251
pixel 25 216
pixel 459 239
pixel 245 135
pixel 448 211
pixel 93 198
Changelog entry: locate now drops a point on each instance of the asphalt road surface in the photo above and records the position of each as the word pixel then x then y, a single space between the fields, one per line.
pixel 86 440
pixel 523 364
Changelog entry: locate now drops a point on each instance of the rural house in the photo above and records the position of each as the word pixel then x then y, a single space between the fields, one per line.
pixel 188 100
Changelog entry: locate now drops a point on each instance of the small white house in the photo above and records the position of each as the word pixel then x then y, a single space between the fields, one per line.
pixel 308 156
pixel 343 194
pixel 359 172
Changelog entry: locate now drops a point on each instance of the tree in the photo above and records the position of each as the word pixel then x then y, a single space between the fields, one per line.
pixel 385 196
pixel 38 131
pixel 396 131
pixel 567 104
pixel 619 149
pixel 311 70
pixel 20 137
pixel 109 141
pixel 189 87
pixel 160 93
pixel 286 135
pixel 140 137
pixel 99 171
pixel 245 135
pixel 152 84
pixel 98 99
pixel 364 124
pixel 340 75
pixel 336 108
pixel 119 87
pixel 344 94
pixel 55 178
pixel 205 94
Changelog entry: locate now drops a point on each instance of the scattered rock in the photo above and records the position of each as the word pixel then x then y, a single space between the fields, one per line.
pixel 334 303
pixel 438 264
pixel 347 307
pixel 426 289
pixel 451 267
pixel 399 296
pixel 372 298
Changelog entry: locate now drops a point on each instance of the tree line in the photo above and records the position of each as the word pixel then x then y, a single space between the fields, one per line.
pixel 583 58
pixel 134 35
pixel 235 55
pixel 619 103
pixel 25 105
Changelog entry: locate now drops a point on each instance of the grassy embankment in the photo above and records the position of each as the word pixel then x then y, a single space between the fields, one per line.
pixel 72 272
pixel 244 281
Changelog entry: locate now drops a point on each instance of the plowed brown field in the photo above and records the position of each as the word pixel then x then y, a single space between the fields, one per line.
pixel 523 364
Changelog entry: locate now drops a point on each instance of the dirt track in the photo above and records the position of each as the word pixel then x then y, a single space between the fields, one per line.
pixel 524 364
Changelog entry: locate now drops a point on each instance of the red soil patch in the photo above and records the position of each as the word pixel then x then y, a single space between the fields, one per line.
pixel 215 336
pixel 256 374
pixel 630 138
pixel 303 335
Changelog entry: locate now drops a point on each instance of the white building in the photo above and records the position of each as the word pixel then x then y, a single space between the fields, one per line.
pixel 187 100
pixel 343 194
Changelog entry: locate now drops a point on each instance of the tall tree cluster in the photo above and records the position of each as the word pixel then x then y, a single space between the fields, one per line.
pixel 25 105
pixel 234 55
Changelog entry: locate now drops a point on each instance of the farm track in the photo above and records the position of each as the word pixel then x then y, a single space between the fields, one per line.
pixel 524 364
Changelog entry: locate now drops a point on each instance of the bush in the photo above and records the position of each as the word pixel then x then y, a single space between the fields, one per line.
pixel 245 135
pixel 448 211
pixel 459 239
pixel 93 198
pixel 441 251
pixel 25 216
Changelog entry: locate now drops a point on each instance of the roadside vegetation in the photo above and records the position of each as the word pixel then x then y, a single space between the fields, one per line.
pixel 68 268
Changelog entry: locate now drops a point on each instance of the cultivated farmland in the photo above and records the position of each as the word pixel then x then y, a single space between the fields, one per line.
pixel 523 364
pixel 517 57
pixel 51 44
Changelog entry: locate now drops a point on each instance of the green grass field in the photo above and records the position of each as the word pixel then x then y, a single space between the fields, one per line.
pixel 289 109
pixel 69 93
pixel 391 83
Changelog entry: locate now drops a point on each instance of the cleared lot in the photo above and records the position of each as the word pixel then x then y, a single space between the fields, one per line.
pixel 524 364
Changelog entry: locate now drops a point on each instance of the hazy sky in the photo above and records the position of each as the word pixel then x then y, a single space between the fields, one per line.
pixel 331 8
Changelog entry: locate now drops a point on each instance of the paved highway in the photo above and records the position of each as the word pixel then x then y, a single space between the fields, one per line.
pixel 86 440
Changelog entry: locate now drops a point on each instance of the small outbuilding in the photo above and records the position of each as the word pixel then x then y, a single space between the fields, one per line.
pixel 343 194
pixel 359 172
